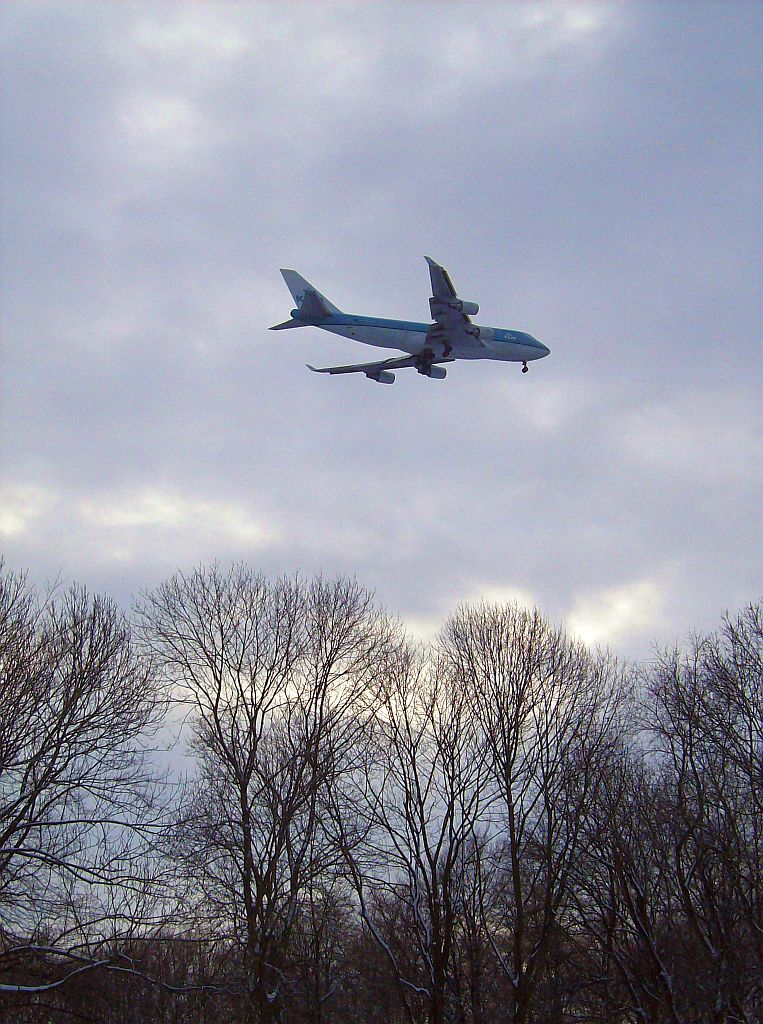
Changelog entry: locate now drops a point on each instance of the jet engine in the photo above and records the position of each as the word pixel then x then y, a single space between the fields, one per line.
pixel 435 372
pixel 382 377
pixel 470 308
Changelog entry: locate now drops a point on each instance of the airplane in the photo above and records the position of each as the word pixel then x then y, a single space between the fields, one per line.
pixel 450 336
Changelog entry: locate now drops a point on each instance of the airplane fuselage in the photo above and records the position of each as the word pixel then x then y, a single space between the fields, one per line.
pixel 410 336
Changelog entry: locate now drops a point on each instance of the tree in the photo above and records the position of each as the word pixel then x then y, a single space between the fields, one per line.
pixel 668 890
pixel 704 709
pixel 627 918
pixel 278 679
pixel 547 711
pixel 320 949
pixel 420 797
pixel 79 798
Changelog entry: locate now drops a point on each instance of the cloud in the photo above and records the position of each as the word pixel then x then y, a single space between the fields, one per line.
pixel 511 43
pixel 20 507
pixel 427 628
pixel 158 519
pixel 707 436
pixel 586 171
pixel 154 527
pixel 163 128
pixel 609 616
pixel 422 630
pixel 558 406
pixel 203 34
pixel 496 594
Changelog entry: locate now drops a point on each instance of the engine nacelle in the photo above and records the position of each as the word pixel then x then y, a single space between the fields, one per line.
pixel 437 372
pixel 470 308
pixel 382 377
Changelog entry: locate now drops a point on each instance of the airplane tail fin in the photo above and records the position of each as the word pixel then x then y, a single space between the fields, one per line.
pixel 309 301
pixel 311 305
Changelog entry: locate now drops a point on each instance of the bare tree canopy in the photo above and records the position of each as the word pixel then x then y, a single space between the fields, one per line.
pixel 704 709
pixel 279 679
pixel 548 712
pixel 418 803
pixel 80 803
pixel 501 826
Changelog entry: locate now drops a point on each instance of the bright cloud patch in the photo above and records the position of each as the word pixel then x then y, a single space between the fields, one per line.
pixel 554 26
pixel 609 616
pixel 171 525
pixel 423 629
pixel 165 127
pixel 203 33
pixel 427 627
pixel 20 507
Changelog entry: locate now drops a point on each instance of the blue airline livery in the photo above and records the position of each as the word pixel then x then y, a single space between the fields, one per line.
pixel 450 336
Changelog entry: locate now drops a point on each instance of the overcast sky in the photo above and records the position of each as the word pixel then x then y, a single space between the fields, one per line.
pixel 589 173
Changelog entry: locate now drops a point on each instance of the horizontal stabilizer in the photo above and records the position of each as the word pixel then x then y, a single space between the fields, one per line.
pixel 287 324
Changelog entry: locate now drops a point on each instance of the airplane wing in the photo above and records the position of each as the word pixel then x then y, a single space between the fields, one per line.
pixel 451 314
pixel 376 370
pixel 442 286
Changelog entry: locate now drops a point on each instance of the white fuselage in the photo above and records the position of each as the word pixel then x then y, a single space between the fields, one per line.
pixel 408 336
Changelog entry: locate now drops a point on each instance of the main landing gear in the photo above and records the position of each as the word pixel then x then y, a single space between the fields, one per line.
pixel 424 362
pixel 525 367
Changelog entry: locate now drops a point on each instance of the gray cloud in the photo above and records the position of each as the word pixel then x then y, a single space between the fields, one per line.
pixel 587 172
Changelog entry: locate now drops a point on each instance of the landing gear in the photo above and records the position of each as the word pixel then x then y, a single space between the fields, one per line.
pixel 525 367
pixel 425 360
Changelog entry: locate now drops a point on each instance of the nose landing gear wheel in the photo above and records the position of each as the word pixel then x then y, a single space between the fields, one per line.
pixel 525 367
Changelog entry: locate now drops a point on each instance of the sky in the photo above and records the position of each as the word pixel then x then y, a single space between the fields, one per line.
pixel 587 172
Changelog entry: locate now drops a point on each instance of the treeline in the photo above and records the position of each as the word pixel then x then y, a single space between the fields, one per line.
pixel 504 826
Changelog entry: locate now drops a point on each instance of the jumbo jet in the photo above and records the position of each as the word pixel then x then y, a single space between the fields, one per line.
pixel 450 336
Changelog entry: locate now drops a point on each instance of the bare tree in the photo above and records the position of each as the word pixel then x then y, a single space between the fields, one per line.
pixel 547 710
pixel 320 949
pixel 420 797
pixel 277 678
pixel 628 921
pixel 705 710
pixel 79 798
pixel 668 890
